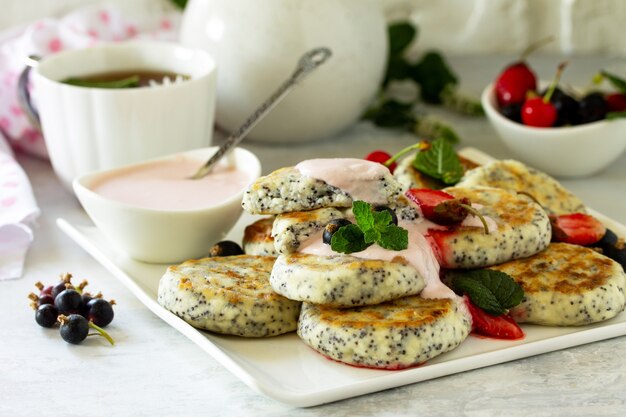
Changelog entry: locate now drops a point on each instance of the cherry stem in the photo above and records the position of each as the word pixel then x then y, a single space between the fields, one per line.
pixel 419 145
pixel 555 82
pixel 534 46
pixel 101 332
pixel 476 213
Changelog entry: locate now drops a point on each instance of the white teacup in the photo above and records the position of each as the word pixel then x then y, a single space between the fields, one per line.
pixel 88 129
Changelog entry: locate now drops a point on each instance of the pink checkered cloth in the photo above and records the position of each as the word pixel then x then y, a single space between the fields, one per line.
pixel 80 29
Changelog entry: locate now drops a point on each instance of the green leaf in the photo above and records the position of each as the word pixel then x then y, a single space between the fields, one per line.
pixel 129 82
pixel 616 115
pixel 394 238
pixel 440 162
pixel 381 218
pixel 348 239
pixel 391 113
pixel 180 3
pixel 363 215
pixel 493 291
pixel 401 34
pixel 433 75
pixel 615 80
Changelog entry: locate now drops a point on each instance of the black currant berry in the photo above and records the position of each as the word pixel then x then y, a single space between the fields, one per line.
pixel 332 227
pixel 46 299
pixel 74 328
pixel 46 315
pixel 394 218
pixel 69 301
pixel 100 312
pixel 225 248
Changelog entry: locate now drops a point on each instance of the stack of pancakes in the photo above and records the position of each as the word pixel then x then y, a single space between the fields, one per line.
pixel 369 312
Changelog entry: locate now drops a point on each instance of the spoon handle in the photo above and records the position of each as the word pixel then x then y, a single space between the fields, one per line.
pixel 307 64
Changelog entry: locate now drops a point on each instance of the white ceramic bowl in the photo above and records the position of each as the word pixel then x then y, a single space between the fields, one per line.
pixel 575 151
pixel 164 236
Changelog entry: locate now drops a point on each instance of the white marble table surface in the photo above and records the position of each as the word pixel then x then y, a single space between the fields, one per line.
pixel 155 371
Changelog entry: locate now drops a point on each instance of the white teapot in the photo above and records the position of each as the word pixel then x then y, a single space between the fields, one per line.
pixel 257 44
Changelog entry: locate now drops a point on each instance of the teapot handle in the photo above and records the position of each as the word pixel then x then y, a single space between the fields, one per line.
pixel 23 95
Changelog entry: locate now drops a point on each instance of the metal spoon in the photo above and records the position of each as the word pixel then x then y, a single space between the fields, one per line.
pixel 307 64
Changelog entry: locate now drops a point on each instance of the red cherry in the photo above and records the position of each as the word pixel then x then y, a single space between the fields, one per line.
pixel 536 112
pixel 513 84
pixel 616 101
pixel 381 157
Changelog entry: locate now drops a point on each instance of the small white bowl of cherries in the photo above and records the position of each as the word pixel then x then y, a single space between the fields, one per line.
pixel 556 129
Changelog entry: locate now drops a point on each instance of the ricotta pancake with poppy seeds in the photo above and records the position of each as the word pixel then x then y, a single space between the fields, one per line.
pixel 393 335
pixel 291 229
pixel 229 295
pixel 516 177
pixel 343 280
pixel 320 183
pixel 567 285
pixel 523 229
pixel 257 238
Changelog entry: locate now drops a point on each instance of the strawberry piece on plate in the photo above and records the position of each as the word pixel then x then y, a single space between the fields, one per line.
pixel 577 229
pixel 428 199
pixel 498 327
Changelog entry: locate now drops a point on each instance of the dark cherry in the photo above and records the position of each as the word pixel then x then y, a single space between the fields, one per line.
pixel 512 112
pixel 567 108
pixel 593 107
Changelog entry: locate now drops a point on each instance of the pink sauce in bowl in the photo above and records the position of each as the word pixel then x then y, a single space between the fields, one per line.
pixel 165 185
pixel 153 213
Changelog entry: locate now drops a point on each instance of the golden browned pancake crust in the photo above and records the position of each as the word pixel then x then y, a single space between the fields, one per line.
pixel 567 285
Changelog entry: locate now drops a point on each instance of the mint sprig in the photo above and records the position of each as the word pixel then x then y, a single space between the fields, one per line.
pixel 493 291
pixel 371 227
pixel 440 161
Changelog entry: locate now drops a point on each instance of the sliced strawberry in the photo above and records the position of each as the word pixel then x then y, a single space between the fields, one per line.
pixel 381 157
pixel 577 229
pixel 428 199
pixel 498 327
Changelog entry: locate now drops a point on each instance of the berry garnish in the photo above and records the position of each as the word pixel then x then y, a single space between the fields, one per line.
pixel 46 299
pixel 613 246
pixel 381 157
pixel 443 208
pixel 388 160
pixel 498 327
pixel 577 229
pixel 225 248
pixel 46 315
pixel 593 107
pixel 539 111
pixel 69 301
pixel 100 311
pixel 332 227
pixel 66 279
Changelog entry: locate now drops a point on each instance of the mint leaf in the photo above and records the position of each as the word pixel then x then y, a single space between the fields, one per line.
pixel 363 215
pixel 617 82
pixel 128 82
pixel 440 161
pixel 394 238
pixel 493 291
pixel 371 227
pixel 348 239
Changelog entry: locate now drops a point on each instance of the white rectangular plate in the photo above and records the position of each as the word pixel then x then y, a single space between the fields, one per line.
pixel 287 370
